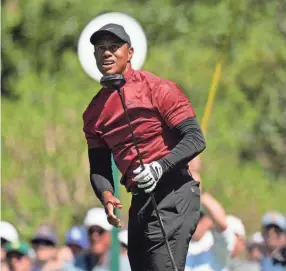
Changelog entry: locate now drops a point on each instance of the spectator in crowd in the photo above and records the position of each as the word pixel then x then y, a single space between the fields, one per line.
pixel 44 244
pixel 255 247
pixel 274 233
pixel 77 239
pixel 96 258
pixel 8 233
pixel 18 255
pixel 124 261
pixel 229 237
pixel 63 256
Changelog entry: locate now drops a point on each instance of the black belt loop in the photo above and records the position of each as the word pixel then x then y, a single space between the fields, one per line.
pixel 134 190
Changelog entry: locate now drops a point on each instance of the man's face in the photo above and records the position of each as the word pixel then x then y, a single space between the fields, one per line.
pixel 112 55
pixel 274 237
pixel 100 240
pixel 45 250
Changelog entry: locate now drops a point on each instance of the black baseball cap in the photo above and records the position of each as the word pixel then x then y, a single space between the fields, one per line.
pixel 114 29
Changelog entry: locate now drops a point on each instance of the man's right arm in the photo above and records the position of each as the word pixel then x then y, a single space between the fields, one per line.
pixel 102 182
pixel 100 171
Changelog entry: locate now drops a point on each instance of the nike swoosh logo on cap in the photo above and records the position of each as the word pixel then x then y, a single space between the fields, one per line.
pixel 109 28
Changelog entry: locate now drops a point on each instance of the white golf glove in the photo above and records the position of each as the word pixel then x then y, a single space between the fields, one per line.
pixel 147 179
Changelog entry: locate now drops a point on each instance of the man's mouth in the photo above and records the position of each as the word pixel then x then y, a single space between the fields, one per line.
pixel 107 63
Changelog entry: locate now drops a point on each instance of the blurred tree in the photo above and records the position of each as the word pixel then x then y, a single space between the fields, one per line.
pixel 45 91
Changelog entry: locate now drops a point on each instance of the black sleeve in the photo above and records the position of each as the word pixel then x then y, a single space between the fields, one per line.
pixel 192 143
pixel 100 171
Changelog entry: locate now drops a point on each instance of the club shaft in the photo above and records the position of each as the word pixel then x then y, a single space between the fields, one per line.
pixel 151 194
pixel 131 130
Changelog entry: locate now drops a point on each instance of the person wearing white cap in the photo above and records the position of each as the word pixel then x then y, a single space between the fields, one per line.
pixel 96 257
pixel 229 237
pixel 274 230
pixel 255 247
pixel 8 234
pixel 98 230
pixel 274 234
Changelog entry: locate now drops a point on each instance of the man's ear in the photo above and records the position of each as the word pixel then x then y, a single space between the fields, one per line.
pixel 130 53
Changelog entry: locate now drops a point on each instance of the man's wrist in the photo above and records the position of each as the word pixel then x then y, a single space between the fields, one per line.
pixel 163 165
pixel 105 195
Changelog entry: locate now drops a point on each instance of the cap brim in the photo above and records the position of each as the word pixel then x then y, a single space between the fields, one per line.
pixel 96 35
pixel 75 243
pixel 105 226
pixel 272 223
pixel 37 239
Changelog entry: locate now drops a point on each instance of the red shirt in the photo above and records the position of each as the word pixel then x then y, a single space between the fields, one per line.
pixel 155 106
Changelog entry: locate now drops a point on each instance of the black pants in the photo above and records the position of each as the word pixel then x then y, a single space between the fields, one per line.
pixel 178 199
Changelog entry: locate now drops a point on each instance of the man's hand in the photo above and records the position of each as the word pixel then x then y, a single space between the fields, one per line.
pixel 111 203
pixel 147 179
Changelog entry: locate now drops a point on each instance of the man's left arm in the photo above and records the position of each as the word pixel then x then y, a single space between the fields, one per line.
pixel 178 114
pixel 192 143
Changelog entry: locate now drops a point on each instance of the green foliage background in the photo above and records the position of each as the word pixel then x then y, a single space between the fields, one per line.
pixel 44 92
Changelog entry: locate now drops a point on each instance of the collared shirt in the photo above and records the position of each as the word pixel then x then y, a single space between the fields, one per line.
pixel 155 106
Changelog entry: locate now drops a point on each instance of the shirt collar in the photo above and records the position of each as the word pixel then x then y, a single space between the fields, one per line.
pixel 128 75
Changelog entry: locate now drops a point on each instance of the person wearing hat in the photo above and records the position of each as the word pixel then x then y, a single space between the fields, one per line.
pixel 168 137
pixel 18 255
pixel 44 244
pixel 274 234
pixel 229 237
pixel 77 239
pixel 255 247
pixel 96 258
pixel 274 230
pixel 8 233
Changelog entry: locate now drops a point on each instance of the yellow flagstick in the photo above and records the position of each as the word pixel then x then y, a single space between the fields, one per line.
pixel 210 101
pixel 206 116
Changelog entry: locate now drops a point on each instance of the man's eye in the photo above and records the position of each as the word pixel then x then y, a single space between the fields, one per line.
pixel 100 48
pixel 114 47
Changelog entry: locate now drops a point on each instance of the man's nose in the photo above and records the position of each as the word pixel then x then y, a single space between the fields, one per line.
pixel 107 53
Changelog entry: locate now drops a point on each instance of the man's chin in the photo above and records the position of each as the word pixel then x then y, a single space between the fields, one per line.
pixel 109 71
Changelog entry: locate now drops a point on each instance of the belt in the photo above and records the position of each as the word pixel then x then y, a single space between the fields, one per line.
pixel 134 190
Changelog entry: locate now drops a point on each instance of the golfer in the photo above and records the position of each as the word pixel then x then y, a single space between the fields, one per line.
pixel 168 137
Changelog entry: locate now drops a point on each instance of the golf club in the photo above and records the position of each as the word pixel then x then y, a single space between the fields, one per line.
pixel 117 81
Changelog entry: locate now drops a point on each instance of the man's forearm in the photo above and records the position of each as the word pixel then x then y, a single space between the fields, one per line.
pixel 101 171
pixel 101 185
pixel 191 144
